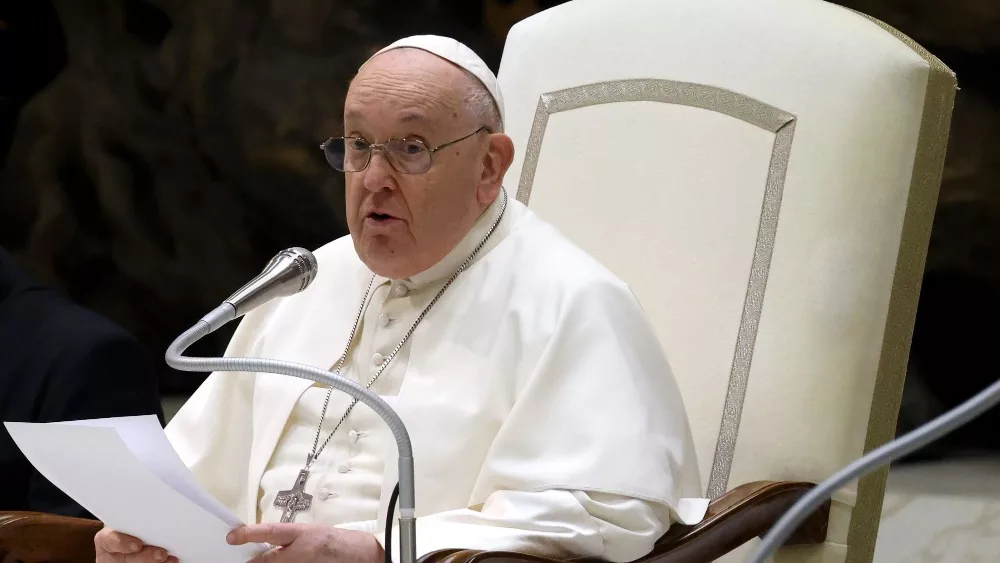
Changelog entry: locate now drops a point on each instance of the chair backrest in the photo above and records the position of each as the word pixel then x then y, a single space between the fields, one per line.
pixel 764 175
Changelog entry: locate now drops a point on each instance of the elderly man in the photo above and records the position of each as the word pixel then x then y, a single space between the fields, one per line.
pixel 543 413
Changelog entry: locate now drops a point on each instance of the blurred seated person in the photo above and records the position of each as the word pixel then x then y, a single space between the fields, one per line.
pixel 542 410
pixel 58 362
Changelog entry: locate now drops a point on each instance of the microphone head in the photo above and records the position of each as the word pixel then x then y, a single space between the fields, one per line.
pixel 301 260
pixel 289 272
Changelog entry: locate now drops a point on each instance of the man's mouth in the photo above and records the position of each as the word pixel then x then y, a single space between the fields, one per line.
pixel 380 217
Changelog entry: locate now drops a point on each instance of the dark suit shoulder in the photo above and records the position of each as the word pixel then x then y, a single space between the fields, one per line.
pixel 65 318
pixel 87 359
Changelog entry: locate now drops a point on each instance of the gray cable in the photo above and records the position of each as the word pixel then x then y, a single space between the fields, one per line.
pixel 225 313
pixel 908 443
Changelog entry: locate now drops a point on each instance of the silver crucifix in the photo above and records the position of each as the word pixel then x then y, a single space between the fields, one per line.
pixel 294 500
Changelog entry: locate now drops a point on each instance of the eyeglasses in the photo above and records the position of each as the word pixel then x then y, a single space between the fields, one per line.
pixel 408 156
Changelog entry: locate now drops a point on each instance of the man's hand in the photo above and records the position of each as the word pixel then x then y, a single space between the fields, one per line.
pixel 309 543
pixel 115 547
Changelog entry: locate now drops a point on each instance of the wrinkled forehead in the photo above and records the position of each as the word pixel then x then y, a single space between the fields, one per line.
pixel 406 86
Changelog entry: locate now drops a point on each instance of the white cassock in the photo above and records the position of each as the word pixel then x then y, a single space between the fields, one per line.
pixel 543 413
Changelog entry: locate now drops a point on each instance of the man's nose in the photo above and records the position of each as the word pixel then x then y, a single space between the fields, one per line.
pixel 380 174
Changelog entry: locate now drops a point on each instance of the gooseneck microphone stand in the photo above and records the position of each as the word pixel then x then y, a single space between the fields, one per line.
pixel 283 276
pixel 906 444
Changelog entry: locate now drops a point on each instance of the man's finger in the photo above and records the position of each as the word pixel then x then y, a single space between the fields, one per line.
pixel 275 534
pixel 116 542
pixel 270 556
pixel 149 554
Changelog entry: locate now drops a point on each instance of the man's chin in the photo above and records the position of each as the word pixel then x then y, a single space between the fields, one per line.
pixel 384 258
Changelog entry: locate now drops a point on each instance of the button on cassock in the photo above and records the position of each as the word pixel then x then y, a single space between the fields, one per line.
pixel 353 435
pixel 400 290
pixel 377 359
pixel 344 468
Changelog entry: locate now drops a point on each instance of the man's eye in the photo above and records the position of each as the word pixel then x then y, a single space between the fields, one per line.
pixel 413 147
pixel 357 144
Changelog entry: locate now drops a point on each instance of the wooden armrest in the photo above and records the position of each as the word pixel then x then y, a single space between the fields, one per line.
pixel 746 512
pixel 33 537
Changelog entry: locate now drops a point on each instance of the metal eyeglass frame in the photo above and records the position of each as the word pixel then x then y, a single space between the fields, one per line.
pixel 372 147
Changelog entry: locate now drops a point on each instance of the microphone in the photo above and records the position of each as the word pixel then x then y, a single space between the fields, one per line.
pixel 289 272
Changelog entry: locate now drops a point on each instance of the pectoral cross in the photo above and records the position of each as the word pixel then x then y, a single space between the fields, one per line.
pixel 294 500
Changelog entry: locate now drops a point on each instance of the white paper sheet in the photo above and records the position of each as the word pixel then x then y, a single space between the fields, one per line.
pixel 124 471
pixel 144 436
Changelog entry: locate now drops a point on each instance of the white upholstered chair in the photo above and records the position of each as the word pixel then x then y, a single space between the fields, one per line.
pixel 764 175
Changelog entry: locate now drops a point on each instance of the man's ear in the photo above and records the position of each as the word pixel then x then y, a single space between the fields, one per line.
pixel 497 160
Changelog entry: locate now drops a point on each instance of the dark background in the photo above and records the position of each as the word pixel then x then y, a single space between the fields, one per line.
pixel 156 153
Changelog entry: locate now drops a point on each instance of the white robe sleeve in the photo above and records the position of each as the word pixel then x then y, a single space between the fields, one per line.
pixel 553 523
pixel 599 411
